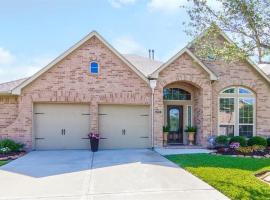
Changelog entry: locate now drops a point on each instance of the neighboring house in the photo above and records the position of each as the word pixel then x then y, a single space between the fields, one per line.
pixel 92 87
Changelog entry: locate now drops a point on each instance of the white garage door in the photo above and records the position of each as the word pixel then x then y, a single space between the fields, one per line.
pixel 61 126
pixel 124 126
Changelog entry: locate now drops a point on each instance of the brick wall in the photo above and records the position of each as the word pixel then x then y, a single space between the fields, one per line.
pixel 184 69
pixel 70 81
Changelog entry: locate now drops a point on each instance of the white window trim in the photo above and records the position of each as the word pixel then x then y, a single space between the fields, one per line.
pixel 236 97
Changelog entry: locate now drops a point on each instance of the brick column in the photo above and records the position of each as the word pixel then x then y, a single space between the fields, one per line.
pixel 93 116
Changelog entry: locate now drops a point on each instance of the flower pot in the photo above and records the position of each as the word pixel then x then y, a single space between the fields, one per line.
pixel 165 138
pixel 191 137
pixel 94 144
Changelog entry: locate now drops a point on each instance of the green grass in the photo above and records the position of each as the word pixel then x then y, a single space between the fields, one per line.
pixel 232 176
pixel 3 162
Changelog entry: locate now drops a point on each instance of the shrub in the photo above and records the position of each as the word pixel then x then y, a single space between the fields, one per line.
pixel 12 145
pixel 245 150
pixel 258 148
pixel 268 141
pixel 257 141
pixel 222 140
pixel 251 149
pixel 4 150
pixel 242 140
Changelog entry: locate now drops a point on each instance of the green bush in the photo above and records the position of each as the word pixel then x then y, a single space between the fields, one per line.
pixel 268 141
pixel 222 140
pixel 242 140
pixel 256 140
pixel 12 145
pixel 191 129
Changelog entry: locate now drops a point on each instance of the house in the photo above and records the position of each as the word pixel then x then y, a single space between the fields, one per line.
pixel 93 88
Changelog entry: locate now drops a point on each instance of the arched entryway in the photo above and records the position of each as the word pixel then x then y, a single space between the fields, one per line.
pixel 181 100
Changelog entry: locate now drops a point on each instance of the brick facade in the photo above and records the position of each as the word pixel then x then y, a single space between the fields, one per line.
pixel 69 81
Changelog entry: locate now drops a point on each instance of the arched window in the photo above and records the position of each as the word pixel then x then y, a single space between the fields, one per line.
pixel 94 67
pixel 237 112
pixel 176 94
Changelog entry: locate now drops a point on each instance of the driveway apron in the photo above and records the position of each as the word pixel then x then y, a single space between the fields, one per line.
pixel 105 175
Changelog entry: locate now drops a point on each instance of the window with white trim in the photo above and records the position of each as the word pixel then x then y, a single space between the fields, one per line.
pixel 237 112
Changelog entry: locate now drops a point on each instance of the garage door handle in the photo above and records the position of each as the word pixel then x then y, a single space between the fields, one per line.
pixel 123 131
pixel 144 137
pixel 39 138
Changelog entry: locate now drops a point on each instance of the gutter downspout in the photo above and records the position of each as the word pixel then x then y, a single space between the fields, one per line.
pixel 153 84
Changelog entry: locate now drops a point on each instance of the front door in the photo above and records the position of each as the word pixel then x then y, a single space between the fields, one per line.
pixel 175 121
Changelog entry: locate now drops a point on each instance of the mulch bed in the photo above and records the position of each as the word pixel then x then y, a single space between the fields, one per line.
pixel 11 155
pixel 234 152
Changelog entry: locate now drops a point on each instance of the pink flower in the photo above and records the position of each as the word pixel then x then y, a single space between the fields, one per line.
pixel 234 145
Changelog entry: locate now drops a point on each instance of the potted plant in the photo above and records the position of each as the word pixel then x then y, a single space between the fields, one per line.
pixel 94 140
pixel 191 130
pixel 166 130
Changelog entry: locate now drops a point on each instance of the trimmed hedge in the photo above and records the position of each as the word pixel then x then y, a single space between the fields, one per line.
pixel 242 140
pixel 256 140
pixel 222 140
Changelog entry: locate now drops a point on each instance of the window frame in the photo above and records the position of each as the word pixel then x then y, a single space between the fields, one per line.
pixel 90 67
pixel 237 96
pixel 172 88
pixel 191 115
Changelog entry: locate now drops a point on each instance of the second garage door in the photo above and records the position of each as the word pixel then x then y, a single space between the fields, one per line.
pixel 124 126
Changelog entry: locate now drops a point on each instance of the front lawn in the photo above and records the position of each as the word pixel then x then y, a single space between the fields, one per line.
pixel 3 162
pixel 232 176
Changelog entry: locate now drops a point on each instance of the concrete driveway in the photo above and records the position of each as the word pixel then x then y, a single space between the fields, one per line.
pixel 105 175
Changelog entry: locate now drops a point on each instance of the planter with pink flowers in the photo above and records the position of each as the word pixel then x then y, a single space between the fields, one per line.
pixel 94 141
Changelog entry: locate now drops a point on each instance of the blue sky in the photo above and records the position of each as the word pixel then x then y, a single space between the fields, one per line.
pixel 33 32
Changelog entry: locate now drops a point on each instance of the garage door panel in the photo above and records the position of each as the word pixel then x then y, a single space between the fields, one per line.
pixel 124 126
pixel 51 119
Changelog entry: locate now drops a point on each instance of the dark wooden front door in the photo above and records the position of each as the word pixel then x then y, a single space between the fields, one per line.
pixel 175 121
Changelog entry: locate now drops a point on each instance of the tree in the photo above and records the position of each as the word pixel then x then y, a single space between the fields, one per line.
pixel 246 21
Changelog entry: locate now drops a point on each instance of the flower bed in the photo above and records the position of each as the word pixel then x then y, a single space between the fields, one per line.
pixel 256 147
pixel 11 155
pixel 10 150
pixel 234 152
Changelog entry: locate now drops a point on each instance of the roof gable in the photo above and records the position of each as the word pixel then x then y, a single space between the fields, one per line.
pixel 212 75
pixel 17 89
pixel 249 61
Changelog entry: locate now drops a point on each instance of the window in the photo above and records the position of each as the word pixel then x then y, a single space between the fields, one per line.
pixel 176 94
pixel 189 115
pixel 237 112
pixel 94 68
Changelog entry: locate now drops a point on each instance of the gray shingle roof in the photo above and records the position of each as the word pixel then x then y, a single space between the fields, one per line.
pixel 143 64
pixel 8 86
